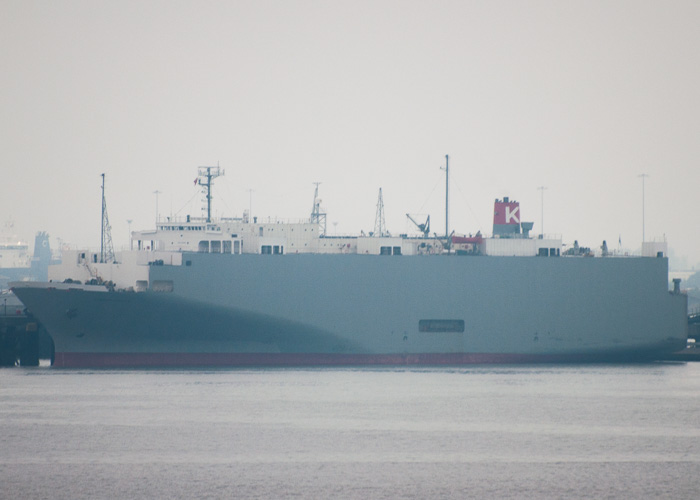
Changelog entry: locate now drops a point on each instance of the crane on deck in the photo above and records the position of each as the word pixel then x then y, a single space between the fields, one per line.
pixel 423 228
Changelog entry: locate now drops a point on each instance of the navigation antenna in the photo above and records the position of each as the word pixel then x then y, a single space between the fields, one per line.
pixel 317 216
pixel 106 246
pixel 379 221
pixel 447 196
pixel 204 176
pixel 447 202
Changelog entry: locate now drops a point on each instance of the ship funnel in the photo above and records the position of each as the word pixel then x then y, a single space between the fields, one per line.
pixel 42 257
pixel 506 218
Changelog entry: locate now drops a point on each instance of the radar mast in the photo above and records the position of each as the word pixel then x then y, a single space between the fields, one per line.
pixel 204 177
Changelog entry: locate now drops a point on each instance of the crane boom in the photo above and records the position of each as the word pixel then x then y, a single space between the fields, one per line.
pixel 424 228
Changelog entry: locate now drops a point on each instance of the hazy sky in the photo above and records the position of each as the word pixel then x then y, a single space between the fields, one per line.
pixel 577 96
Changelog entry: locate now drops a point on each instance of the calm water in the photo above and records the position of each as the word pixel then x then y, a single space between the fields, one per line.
pixel 486 432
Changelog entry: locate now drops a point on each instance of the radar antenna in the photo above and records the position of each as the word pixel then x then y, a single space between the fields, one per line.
pixel 379 221
pixel 204 176
pixel 317 216
pixel 106 246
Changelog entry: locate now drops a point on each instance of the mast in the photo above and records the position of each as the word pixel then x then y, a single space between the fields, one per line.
pixel 379 221
pixel 542 188
pixel 204 177
pixel 106 246
pixel 157 192
pixel 102 223
pixel 317 216
pixel 447 196
pixel 643 176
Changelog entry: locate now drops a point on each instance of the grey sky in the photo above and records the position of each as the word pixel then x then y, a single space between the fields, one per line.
pixel 581 97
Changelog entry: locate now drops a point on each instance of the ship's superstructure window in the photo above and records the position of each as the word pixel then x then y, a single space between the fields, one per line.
pixel 218 246
pixel 441 325
pixel 272 249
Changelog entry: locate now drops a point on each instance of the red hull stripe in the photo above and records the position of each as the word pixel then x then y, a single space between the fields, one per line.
pixel 108 360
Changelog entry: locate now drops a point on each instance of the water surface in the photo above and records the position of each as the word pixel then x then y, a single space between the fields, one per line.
pixel 569 431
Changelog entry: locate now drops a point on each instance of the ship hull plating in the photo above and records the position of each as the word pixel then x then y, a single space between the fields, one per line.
pixel 290 310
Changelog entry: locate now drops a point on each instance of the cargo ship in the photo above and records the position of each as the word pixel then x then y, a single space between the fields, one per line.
pixel 16 261
pixel 247 292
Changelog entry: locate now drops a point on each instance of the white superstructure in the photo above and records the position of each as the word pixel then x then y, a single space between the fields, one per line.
pixel 14 253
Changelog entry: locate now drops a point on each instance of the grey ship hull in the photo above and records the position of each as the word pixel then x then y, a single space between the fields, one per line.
pixel 364 309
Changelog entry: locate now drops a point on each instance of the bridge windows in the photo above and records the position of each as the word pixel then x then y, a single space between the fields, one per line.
pixel 219 246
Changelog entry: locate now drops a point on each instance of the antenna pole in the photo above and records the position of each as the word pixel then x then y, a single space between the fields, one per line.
pixel 447 196
pixel 209 194
pixel 131 243
pixel 102 223
pixel 541 189
pixel 643 176
pixel 156 192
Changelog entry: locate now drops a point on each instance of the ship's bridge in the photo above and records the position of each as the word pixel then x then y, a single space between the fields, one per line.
pixel 235 236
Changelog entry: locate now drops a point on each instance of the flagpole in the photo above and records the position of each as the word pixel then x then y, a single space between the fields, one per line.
pixel 643 176
pixel 541 189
